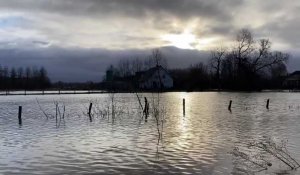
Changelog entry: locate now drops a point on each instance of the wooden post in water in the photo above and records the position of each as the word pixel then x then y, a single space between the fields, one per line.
pixel 146 109
pixel 229 106
pixel 56 111
pixel 268 102
pixel 90 111
pixel 20 115
pixel 183 105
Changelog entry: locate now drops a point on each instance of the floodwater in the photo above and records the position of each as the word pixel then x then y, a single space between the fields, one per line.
pixel 198 142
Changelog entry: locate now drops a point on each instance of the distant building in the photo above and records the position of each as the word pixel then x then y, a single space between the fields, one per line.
pixel 113 82
pixel 293 81
pixel 109 74
pixel 154 78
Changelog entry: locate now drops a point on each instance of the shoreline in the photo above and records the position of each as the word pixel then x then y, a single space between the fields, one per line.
pixel 79 92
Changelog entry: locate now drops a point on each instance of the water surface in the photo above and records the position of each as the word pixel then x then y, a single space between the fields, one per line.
pixel 198 142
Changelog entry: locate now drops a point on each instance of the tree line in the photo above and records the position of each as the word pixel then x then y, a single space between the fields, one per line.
pixel 29 78
pixel 248 64
pixel 129 67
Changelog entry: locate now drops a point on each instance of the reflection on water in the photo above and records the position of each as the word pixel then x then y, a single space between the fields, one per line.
pixel 198 142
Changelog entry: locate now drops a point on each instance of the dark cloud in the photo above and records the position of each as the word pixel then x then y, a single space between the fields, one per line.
pixel 77 64
pixel 132 8
pixel 285 30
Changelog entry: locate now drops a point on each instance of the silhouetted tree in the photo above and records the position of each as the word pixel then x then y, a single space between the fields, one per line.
pixel 217 57
pixel 44 81
pixel 247 63
pixel 13 76
pixel 27 77
pixel 198 77
pixel 17 79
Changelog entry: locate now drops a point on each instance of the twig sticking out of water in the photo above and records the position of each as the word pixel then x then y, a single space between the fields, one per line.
pixel 59 113
pixel 158 112
pixel 139 100
pixel 278 151
pixel 45 114
pixel 264 149
pixel 262 164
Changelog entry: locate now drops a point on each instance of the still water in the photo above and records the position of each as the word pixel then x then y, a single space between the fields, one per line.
pixel 198 142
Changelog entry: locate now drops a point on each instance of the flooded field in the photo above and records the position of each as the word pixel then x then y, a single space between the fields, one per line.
pixel 63 140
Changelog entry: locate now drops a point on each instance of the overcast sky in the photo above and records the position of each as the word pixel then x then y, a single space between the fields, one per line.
pixel 76 39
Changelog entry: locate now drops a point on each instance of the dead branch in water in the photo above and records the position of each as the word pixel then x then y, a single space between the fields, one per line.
pixel 277 151
pixel 45 114
pixel 258 152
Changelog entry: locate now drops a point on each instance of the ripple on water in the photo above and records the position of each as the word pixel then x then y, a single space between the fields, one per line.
pixel 197 143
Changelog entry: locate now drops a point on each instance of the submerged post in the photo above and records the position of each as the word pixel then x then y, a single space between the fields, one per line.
pixel 146 109
pixel 89 113
pixel 20 115
pixel 183 105
pixel 229 106
pixel 56 111
pixel 268 102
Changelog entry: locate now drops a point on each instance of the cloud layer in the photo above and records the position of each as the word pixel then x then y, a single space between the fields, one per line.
pixel 52 29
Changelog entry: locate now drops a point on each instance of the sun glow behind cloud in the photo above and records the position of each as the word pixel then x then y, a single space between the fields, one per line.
pixel 184 40
pixel 187 40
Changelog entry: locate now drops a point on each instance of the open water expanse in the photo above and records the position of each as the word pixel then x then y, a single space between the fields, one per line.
pixel 65 141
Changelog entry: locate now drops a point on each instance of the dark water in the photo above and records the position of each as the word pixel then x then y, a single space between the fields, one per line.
pixel 197 143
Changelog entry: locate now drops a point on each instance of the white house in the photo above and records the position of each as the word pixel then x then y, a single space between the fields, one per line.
pixel 155 78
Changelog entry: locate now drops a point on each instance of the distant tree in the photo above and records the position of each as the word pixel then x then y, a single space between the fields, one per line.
pixel 13 76
pixel 5 75
pixel 124 68
pixel 44 81
pixel 1 78
pixel 158 59
pixel 20 76
pixel 198 77
pixel 20 73
pixel 19 79
pixel 217 57
pixel 137 65
pixel 28 75
pixel 155 59
pixel 246 63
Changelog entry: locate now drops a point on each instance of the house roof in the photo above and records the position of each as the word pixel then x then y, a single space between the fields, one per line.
pixel 294 76
pixel 295 73
pixel 145 75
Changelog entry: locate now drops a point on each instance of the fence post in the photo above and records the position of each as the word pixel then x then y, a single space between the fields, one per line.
pixel 20 115
pixel 183 105
pixel 268 102
pixel 229 106
pixel 146 109
pixel 90 111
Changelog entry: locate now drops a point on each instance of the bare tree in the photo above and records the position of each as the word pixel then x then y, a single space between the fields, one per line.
pixel 156 59
pixel 137 65
pixel 20 73
pixel 217 57
pixel 124 68
pixel 245 44
pixel 249 59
